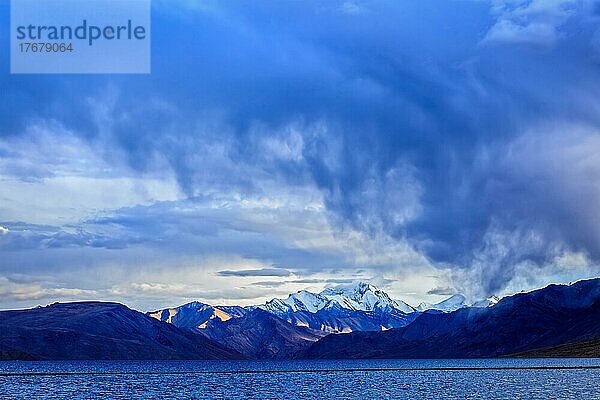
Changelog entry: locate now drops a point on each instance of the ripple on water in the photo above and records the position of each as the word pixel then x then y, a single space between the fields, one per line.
pixel 349 379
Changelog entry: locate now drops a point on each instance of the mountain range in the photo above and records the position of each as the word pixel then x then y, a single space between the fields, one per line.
pixel 552 316
pixel 352 321
pixel 340 309
pixel 282 328
pixel 95 330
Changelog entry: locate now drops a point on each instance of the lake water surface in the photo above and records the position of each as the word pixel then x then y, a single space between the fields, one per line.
pixel 344 379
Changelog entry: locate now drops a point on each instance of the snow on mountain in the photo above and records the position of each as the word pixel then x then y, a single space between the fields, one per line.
pixel 542 319
pixel 456 302
pixel 364 297
pixel 358 297
pixel 300 301
pixel 343 308
pixel 489 302
pixel 306 301
pixel 275 306
pixel 452 303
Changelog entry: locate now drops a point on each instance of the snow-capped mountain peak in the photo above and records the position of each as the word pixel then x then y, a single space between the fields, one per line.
pixel 306 301
pixel 355 292
pixel 357 297
pixel 452 303
pixel 364 297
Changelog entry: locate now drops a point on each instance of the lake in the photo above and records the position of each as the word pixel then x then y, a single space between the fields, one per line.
pixel 306 379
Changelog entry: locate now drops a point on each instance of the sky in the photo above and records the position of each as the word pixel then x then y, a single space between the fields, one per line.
pixel 428 147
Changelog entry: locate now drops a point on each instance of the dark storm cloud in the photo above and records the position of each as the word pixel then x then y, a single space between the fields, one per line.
pixel 451 125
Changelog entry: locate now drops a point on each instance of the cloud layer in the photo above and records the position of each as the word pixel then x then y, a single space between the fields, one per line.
pixel 436 146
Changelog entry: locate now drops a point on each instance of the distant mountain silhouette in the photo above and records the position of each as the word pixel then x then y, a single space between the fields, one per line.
pixel 552 316
pixel 96 330
pixel 559 320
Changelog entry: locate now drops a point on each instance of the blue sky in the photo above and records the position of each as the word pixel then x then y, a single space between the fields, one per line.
pixel 428 147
